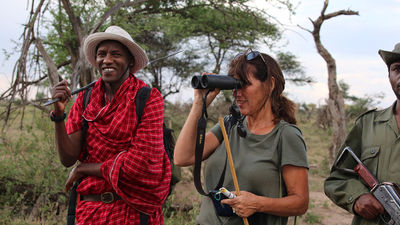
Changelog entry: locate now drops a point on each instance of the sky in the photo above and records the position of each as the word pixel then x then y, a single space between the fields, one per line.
pixel 353 41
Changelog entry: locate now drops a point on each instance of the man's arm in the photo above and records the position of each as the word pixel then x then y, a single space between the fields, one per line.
pixel 345 188
pixel 68 146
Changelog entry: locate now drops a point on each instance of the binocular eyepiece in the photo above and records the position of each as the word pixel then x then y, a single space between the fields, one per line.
pixel 222 82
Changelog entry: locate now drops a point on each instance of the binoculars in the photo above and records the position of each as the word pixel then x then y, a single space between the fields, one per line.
pixel 222 82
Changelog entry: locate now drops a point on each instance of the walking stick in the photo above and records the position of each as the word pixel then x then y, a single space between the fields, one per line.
pixel 231 165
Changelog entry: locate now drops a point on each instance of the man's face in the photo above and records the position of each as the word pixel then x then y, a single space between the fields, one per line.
pixel 113 61
pixel 394 77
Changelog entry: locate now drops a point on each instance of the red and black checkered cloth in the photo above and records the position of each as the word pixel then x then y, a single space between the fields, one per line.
pixel 134 162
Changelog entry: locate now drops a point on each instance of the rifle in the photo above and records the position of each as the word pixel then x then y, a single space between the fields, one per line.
pixel 386 193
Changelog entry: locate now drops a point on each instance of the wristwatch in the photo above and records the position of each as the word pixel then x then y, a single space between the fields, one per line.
pixel 57 119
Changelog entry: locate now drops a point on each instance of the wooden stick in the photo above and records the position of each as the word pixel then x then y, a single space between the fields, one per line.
pixel 230 160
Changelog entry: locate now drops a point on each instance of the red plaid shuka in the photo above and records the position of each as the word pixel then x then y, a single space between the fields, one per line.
pixel 134 162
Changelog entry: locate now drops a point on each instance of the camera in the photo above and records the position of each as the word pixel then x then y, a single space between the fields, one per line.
pixel 222 82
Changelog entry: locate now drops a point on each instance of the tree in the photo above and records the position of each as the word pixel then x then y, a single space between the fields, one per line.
pixel 208 35
pixel 35 57
pixel 358 105
pixel 53 37
pixel 292 69
pixel 335 102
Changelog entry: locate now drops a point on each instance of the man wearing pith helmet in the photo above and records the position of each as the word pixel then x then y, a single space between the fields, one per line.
pixel 121 163
pixel 374 139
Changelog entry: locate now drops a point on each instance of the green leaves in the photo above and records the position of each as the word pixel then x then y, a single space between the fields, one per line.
pixel 292 69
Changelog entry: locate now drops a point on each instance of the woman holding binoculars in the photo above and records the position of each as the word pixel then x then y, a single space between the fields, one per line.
pixel 270 159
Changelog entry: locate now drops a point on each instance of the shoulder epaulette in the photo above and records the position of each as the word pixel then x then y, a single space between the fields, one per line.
pixel 366 112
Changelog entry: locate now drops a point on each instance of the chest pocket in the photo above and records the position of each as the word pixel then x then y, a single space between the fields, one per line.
pixel 370 157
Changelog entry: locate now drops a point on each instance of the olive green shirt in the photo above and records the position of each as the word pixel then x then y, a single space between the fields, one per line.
pixel 375 140
pixel 258 160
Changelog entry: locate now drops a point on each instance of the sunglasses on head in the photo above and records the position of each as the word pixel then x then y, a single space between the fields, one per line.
pixel 250 55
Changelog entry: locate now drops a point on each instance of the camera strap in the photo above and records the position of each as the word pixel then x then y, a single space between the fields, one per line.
pixel 198 157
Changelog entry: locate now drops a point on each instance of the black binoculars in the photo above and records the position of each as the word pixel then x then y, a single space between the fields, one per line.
pixel 222 82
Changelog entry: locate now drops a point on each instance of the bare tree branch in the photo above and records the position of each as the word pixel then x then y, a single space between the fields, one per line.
pixel 20 66
pixel 303 28
pixel 335 101
pixel 53 73
pixel 39 106
pixel 63 64
pixel 27 83
pixel 75 21
pixel 340 12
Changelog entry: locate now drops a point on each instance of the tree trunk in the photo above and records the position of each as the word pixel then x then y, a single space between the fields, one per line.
pixel 335 101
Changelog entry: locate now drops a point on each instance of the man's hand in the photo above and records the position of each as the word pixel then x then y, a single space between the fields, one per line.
pixel 83 169
pixel 60 90
pixel 74 175
pixel 368 207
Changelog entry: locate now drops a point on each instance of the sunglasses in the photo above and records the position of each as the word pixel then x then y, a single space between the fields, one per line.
pixel 250 55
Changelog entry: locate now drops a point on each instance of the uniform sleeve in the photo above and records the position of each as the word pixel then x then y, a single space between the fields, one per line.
pixel 293 147
pixel 344 188
pixel 74 120
pixel 141 175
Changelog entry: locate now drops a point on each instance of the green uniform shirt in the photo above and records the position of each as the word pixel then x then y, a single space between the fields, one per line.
pixel 375 140
pixel 258 160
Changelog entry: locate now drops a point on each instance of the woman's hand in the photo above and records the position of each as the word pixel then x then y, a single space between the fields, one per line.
pixel 60 90
pixel 244 205
pixel 200 93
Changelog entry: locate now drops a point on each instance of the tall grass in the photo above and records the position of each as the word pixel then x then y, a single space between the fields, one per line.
pixel 31 176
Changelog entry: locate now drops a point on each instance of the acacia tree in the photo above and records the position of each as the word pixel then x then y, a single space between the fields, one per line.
pixel 208 35
pixel 335 102
pixel 51 46
pixel 29 68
